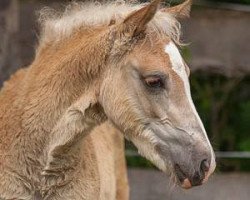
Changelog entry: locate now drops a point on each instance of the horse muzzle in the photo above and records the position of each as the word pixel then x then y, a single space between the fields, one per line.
pixel 197 178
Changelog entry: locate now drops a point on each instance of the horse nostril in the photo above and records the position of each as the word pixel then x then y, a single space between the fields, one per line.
pixel 180 174
pixel 197 179
pixel 204 166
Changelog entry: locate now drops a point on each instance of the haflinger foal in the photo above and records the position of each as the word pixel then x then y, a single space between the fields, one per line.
pixel 100 68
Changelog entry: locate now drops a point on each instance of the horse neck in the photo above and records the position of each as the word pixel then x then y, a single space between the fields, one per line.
pixel 64 72
pixel 79 57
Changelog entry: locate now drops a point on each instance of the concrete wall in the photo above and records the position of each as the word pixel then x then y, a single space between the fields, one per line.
pixel 9 30
pixel 219 40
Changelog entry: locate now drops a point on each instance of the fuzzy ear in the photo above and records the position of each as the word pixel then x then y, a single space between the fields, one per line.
pixel 179 11
pixel 136 22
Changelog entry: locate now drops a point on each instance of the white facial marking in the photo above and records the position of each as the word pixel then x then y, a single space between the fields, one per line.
pixel 179 67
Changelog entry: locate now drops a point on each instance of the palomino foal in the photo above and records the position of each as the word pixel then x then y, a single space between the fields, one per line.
pixel 98 63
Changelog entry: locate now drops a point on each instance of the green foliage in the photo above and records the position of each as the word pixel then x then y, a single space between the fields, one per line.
pixel 244 143
pixel 236 164
pixel 139 162
pixel 224 106
pixel 136 161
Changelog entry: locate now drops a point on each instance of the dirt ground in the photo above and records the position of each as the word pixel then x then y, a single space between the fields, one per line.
pixel 154 185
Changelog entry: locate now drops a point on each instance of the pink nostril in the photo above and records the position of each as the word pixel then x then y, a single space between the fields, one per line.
pixel 204 166
pixel 186 184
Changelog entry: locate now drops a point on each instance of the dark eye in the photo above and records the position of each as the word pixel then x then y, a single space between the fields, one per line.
pixel 154 82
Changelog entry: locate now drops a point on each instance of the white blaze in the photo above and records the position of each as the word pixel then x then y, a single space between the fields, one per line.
pixel 179 67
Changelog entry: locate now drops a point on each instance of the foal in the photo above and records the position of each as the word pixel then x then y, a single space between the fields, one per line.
pixel 99 63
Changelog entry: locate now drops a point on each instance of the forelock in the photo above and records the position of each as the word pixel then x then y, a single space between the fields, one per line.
pixel 79 15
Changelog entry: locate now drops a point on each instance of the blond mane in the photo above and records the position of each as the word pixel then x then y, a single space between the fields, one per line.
pixel 58 25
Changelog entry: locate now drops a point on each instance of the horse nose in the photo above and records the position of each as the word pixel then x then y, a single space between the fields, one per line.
pixel 204 167
pixel 199 175
pixel 196 170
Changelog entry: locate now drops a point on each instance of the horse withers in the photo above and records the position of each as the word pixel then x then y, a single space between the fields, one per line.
pixel 100 68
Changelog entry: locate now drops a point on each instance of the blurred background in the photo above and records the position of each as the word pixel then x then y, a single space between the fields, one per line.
pixel 218 34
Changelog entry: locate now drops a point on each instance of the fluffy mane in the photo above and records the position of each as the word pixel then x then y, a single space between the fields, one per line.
pixel 58 25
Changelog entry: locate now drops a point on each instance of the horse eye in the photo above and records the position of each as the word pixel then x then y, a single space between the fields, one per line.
pixel 154 82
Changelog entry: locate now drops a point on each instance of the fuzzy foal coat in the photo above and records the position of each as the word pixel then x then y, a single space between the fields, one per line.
pixel 32 104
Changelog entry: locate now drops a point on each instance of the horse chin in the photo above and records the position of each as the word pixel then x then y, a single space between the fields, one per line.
pixel 146 145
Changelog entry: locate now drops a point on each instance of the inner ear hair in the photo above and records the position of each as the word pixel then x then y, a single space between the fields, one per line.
pixel 136 22
pixel 181 10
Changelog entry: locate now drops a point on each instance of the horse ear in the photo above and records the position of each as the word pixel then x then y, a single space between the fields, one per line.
pixel 179 11
pixel 136 22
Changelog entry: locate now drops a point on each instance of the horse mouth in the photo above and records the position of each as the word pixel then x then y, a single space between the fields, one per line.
pixel 186 182
pixel 182 177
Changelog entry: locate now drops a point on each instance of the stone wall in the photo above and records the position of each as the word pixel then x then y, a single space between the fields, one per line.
pixel 219 40
pixel 9 46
